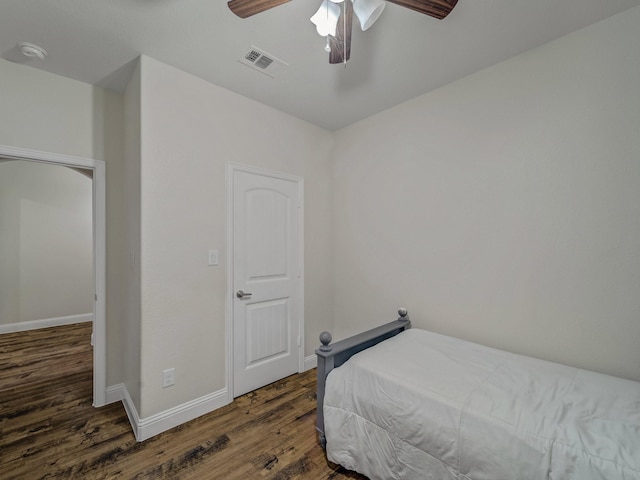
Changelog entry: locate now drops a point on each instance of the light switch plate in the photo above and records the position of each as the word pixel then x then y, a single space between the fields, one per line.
pixel 213 257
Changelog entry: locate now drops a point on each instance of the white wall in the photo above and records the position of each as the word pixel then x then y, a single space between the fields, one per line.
pixel 46 242
pixel 503 208
pixel 190 129
pixel 42 111
pixel 130 281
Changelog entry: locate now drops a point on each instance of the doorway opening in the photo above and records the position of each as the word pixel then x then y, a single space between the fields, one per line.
pixel 95 169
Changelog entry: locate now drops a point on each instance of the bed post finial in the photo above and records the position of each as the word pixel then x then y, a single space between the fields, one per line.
pixel 404 314
pixel 325 340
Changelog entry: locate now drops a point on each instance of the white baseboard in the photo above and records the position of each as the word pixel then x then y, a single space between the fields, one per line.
pixel 145 428
pixel 45 323
pixel 310 362
pixel 115 393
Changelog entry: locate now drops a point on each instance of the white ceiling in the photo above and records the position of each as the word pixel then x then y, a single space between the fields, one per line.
pixel 405 54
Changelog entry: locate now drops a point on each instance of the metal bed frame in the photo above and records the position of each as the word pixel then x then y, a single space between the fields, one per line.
pixel 332 356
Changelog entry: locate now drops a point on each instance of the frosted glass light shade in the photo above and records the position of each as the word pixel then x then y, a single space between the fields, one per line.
pixel 326 18
pixel 368 11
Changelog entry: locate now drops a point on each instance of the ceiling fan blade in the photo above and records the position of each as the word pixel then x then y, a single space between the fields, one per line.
pixel 434 8
pixel 246 8
pixel 341 43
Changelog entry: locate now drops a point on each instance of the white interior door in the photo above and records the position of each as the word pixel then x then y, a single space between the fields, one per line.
pixel 267 278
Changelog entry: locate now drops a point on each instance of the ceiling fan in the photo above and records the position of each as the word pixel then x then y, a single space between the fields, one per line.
pixel 335 22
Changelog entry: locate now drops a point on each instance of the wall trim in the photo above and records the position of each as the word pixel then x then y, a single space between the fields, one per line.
pixel 310 362
pixel 45 323
pixel 145 428
pixel 115 393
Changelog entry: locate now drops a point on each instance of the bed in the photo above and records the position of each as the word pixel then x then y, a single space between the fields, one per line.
pixel 403 403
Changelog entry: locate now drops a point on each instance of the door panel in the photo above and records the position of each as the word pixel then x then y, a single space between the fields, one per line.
pixel 268 228
pixel 267 266
pixel 268 332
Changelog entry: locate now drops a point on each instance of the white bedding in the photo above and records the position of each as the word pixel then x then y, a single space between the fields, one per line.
pixel 426 406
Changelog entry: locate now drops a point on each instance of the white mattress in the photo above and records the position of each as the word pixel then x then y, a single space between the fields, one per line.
pixel 426 406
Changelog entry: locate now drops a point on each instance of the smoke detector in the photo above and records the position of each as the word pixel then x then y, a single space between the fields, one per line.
pixel 31 50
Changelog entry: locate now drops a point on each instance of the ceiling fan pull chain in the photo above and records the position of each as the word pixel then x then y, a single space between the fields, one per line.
pixel 344 32
pixel 327 47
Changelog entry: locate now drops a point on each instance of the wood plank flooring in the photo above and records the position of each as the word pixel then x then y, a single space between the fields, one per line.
pixel 50 430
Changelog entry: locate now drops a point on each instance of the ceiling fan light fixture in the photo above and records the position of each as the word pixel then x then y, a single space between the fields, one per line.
pixel 326 18
pixel 368 11
pixel 329 14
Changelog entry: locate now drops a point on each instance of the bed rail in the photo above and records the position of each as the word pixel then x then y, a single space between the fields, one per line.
pixel 332 356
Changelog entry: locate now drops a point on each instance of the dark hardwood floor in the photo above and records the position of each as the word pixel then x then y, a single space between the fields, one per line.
pixel 49 429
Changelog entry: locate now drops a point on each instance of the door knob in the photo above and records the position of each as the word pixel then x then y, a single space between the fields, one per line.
pixel 241 294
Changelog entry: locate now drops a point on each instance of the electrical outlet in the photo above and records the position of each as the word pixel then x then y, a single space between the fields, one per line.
pixel 168 377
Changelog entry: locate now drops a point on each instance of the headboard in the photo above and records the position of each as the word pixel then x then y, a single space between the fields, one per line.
pixel 332 356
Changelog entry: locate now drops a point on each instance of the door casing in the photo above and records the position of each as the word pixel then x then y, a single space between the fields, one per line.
pixel 231 169
pixel 99 255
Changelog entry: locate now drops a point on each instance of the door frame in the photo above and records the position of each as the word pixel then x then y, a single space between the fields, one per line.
pixel 99 253
pixel 231 169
